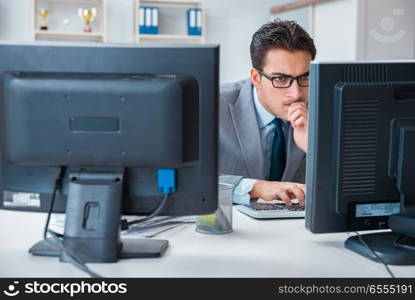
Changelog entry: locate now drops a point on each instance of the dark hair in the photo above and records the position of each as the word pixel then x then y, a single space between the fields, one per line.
pixel 282 34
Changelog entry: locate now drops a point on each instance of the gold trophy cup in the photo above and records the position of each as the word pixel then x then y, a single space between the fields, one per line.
pixel 88 16
pixel 43 14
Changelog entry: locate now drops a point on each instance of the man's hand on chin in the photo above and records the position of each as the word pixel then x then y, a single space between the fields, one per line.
pixel 298 117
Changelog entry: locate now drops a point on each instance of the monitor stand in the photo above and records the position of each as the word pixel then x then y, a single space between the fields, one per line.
pixel 131 248
pixel 92 222
pixel 389 246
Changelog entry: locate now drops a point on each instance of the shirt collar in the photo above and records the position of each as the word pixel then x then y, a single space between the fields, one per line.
pixel 264 117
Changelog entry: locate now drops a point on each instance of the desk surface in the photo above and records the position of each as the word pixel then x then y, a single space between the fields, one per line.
pixel 270 248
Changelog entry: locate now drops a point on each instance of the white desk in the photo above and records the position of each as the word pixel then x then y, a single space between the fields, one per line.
pixel 272 248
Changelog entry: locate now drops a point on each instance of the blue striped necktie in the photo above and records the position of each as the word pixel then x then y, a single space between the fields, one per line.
pixel 278 153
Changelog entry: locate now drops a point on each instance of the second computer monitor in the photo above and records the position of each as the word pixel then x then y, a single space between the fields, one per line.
pixel 360 165
pixel 99 131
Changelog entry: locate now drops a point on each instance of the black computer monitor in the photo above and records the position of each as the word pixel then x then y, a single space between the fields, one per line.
pixel 361 162
pixel 111 129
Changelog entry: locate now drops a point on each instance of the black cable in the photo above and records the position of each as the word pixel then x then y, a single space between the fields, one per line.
pixel 126 224
pixel 375 254
pixel 72 257
pixel 400 242
pixel 55 241
pixel 57 184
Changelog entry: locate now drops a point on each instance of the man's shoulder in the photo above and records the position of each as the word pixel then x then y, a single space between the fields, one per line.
pixel 229 92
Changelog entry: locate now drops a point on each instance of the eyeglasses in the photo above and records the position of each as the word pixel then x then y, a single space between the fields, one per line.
pixel 285 81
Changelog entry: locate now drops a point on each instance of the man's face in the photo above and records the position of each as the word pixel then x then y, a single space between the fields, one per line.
pixel 277 63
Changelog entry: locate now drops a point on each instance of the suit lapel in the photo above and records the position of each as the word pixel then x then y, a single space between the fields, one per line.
pixel 294 157
pixel 246 127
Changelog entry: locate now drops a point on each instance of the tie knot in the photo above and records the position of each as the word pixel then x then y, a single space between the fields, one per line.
pixel 277 122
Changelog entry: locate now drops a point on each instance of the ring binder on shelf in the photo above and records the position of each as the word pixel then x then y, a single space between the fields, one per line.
pixel 194 21
pixel 149 20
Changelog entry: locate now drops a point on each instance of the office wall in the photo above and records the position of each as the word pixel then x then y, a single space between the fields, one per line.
pixel 300 15
pixel 230 23
pixel 15 20
pixel 334 27
pixel 364 29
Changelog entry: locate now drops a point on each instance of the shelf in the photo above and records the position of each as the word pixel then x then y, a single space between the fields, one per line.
pixel 169 37
pixel 72 30
pixel 72 1
pixel 68 35
pixel 177 32
pixel 175 2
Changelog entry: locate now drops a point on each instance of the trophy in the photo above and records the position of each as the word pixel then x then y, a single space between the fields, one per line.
pixel 43 14
pixel 88 15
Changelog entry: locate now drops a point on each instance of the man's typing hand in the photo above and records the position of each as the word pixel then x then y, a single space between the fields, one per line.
pixel 285 191
pixel 298 117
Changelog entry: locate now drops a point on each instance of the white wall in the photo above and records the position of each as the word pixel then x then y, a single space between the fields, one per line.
pixel 334 30
pixel 230 23
pixel 364 29
pixel 15 20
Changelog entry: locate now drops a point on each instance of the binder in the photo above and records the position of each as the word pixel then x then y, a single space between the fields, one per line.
pixel 194 21
pixel 155 21
pixel 149 20
pixel 199 21
pixel 141 26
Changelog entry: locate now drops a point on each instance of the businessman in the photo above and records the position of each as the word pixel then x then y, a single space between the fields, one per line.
pixel 263 119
